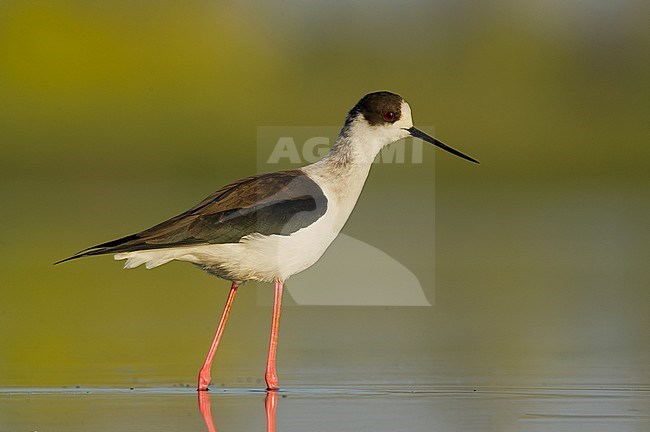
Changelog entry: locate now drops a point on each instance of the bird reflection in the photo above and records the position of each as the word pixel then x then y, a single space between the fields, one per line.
pixel 204 409
pixel 270 407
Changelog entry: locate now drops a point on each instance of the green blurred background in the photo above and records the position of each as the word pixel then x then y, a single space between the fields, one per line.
pixel 116 115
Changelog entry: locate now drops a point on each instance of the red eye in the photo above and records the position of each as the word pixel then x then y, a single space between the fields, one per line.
pixel 389 116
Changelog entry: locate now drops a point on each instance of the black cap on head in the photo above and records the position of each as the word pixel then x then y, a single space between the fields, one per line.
pixel 378 108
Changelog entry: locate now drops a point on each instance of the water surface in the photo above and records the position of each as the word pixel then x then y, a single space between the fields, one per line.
pixel 374 409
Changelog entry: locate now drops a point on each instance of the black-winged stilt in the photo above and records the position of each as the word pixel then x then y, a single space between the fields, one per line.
pixel 268 227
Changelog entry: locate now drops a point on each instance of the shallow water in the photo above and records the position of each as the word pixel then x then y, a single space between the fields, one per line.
pixel 406 408
pixel 537 325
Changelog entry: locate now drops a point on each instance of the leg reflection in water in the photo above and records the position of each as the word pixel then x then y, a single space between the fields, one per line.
pixel 270 407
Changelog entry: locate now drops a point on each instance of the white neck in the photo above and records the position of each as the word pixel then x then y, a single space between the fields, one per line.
pixel 345 168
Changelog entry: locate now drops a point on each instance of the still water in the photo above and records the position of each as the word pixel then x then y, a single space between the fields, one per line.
pixel 425 408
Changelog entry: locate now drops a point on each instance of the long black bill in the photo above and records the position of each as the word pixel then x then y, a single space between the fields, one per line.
pixel 419 134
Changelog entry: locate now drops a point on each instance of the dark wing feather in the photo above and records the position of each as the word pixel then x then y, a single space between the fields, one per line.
pixel 275 203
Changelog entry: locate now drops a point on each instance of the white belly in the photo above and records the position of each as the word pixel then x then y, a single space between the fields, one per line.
pixel 255 257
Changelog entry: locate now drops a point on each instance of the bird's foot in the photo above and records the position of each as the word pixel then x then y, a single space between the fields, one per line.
pixel 204 380
pixel 272 382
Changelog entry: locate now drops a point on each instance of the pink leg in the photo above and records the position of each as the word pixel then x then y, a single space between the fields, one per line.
pixel 204 374
pixel 271 374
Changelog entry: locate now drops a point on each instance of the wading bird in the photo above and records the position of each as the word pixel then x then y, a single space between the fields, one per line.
pixel 268 227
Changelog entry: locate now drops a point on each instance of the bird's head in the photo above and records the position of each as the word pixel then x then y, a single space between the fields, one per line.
pixel 381 118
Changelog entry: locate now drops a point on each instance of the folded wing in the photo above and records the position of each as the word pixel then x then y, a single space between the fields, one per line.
pixel 275 203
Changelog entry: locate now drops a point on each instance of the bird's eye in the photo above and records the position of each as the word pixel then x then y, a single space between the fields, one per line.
pixel 389 116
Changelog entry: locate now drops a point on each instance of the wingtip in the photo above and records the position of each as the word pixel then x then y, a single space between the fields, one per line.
pixel 80 254
pixel 67 259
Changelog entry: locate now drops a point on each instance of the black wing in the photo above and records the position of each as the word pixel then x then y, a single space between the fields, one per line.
pixel 274 203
